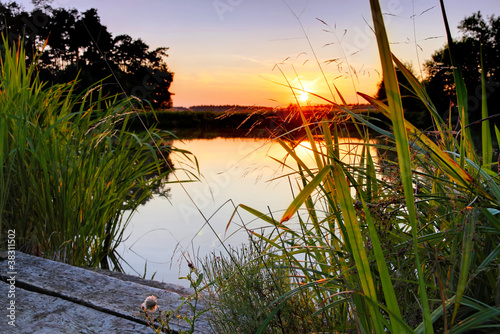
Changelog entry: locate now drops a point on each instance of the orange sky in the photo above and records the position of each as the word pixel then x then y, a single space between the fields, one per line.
pixel 240 52
pixel 225 51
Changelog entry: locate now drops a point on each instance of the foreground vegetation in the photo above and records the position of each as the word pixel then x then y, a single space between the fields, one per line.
pixel 70 172
pixel 404 242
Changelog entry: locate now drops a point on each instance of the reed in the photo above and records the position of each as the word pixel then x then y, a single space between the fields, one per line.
pixel 71 173
pixel 404 242
pixel 246 285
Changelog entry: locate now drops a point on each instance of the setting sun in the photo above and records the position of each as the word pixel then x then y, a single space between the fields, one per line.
pixel 303 96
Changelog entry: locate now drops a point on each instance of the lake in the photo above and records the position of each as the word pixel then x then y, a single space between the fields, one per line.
pixel 166 233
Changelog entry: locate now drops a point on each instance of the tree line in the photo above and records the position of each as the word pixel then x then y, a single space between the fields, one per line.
pixel 77 44
pixel 480 38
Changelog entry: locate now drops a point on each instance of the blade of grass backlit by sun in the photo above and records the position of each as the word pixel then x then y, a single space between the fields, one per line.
pixel 305 193
pixel 486 138
pixel 355 236
pixel 442 158
pixel 469 222
pixel 461 90
pixel 396 113
pixel 397 322
pixel 421 93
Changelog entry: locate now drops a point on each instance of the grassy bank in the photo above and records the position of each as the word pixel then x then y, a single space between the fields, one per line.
pixel 70 171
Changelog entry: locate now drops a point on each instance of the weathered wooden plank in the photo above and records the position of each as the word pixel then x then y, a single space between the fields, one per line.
pixel 179 289
pixel 39 313
pixel 88 288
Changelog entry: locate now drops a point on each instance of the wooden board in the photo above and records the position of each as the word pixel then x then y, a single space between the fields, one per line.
pixel 64 292
pixel 39 313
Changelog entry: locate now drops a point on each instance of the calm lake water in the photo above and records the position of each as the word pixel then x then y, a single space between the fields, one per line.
pixel 165 232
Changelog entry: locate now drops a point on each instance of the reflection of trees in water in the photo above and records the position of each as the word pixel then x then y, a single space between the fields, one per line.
pixel 160 187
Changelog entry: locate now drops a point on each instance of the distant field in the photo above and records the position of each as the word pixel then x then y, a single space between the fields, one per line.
pixel 237 121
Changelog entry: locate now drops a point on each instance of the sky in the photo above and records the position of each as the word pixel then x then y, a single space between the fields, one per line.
pixel 247 52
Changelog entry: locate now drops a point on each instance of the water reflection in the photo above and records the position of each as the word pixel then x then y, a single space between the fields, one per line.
pixel 161 186
pixel 195 215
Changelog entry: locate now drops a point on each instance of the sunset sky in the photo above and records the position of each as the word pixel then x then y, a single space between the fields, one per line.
pixel 225 51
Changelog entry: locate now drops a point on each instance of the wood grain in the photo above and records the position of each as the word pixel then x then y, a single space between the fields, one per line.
pixel 59 298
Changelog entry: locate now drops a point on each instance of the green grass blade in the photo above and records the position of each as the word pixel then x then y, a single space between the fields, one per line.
pixel 465 264
pixel 421 93
pixel 358 250
pixel 487 146
pixel 305 193
pixel 461 90
pixel 396 113
pixel 385 278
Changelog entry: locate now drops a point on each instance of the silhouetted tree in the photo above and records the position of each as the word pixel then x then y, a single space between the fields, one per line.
pixel 477 33
pixel 414 110
pixel 79 44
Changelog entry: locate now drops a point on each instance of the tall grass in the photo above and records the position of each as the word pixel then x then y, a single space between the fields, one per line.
pixel 252 286
pixel 404 242
pixel 70 171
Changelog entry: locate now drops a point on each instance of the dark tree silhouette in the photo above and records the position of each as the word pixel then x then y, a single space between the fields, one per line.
pixel 79 44
pixel 479 36
pixel 415 111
